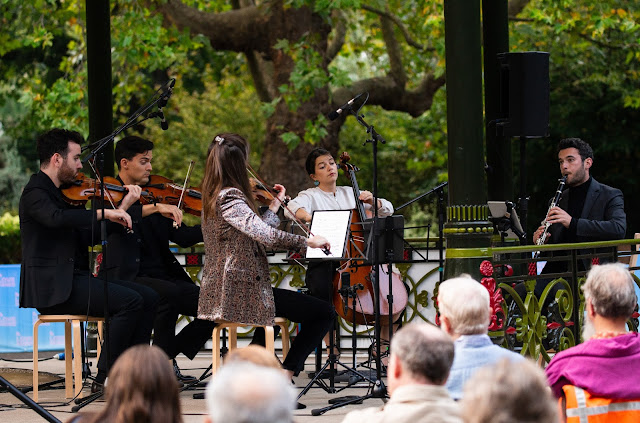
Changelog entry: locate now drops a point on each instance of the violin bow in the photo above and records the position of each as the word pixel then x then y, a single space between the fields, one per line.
pixel 184 187
pixel 106 191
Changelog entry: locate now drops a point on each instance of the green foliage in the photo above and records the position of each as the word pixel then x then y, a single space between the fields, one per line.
pixel 10 251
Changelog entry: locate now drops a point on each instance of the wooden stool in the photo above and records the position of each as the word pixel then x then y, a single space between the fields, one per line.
pixel 233 338
pixel 71 359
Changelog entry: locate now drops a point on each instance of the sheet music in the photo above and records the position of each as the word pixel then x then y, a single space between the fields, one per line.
pixel 334 226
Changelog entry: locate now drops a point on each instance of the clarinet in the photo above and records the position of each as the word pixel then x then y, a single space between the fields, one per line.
pixel 554 203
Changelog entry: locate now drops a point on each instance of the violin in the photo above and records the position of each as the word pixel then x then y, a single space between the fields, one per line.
pixel 264 194
pixel 360 273
pixel 164 190
pixel 83 189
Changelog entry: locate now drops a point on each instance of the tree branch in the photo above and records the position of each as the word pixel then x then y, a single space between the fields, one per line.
pixel 516 6
pixel 241 30
pixel 386 93
pixel 393 50
pixel 341 31
pixel 400 25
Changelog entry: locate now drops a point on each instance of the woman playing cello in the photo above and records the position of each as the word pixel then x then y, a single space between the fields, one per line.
pixel 235 281
pixel 326 195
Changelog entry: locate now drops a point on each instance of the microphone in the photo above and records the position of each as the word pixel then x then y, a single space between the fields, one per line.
pixel 346 106
pixel 345 279
pixel 163 122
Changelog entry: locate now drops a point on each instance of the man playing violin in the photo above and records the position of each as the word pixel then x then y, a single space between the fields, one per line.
pixel 55 276
pixel 145 258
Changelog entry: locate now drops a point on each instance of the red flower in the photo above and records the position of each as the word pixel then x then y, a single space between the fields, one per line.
pixel 486 268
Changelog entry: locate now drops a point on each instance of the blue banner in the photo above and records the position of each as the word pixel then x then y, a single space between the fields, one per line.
pixel 16 324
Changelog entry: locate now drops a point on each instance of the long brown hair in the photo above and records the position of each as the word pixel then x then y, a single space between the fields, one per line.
pixel 226 168
pixel 141 388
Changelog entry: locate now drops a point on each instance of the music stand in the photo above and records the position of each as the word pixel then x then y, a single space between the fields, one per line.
pixel 335 226
pixel 505 217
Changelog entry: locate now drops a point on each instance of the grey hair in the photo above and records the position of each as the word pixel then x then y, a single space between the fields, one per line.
pixel 610 289
pixel 246 393
pixel 465 302
pixel 425 351
pixel 506 392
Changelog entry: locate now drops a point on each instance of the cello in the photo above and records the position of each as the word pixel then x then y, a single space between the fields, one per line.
pixel 359 272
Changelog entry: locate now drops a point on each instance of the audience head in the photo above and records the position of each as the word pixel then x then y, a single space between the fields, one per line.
pixel 254 354
pixel 420 354
pixel 509 392
pixel 142 388
pixel 242 392
pixel 609 294
pixel 226 167
pixel 464 307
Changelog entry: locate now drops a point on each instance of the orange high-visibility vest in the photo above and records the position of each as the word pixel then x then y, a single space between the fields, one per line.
pixel 582 407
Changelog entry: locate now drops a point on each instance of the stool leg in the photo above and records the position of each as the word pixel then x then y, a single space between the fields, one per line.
pixel 99 340
pixel 77 357
pixel 233 338
pixel 269 341
pixel 68 368
pixel 284 334
pixel 216 349
pixel 35 360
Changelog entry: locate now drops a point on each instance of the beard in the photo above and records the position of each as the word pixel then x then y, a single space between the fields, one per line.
pixel 588 330
pixel 578 177
pixel 66 174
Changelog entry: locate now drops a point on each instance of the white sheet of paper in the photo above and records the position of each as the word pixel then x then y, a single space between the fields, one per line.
pixel 334 226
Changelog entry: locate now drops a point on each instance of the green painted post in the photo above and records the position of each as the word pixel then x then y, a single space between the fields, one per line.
pixel 467 215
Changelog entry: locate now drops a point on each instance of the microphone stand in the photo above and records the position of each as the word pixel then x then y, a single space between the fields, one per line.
pixel 28 401
pixel 441 210
pixel 379 390
pixel 97 151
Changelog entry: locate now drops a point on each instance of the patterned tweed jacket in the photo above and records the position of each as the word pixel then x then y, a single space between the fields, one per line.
pixel 235 282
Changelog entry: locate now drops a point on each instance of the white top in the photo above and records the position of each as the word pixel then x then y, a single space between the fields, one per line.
pixel 316 199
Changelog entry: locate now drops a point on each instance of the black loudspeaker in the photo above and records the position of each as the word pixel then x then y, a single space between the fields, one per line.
pixel 524 94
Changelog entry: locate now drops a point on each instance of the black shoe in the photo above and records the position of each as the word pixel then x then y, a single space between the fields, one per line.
pixel 96 387
pixel 300 406
pixel 182 378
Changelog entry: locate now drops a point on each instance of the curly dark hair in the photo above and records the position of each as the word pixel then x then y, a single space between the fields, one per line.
pixel 585 150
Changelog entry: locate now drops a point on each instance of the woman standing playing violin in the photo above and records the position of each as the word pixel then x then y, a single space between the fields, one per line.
pixel 326 195
pixel 235 282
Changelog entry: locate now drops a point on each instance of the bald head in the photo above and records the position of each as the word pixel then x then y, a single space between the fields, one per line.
pixel 424 351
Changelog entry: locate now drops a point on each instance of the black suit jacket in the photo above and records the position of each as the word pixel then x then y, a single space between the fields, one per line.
pixel 603 217
pixel 155 231
pixel 54 234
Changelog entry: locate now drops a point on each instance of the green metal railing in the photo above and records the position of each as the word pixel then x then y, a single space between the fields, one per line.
pixel 532 323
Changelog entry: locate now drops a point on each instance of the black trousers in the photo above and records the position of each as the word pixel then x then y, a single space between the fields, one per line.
pixel 319 279
pixel 316 317
pixel 132 309
pixel 177 296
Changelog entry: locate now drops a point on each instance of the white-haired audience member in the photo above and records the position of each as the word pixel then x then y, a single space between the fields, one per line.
pixel 607 364
pixel 508 392
pixel 242 392
pixel 465 314
pixel 421 356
